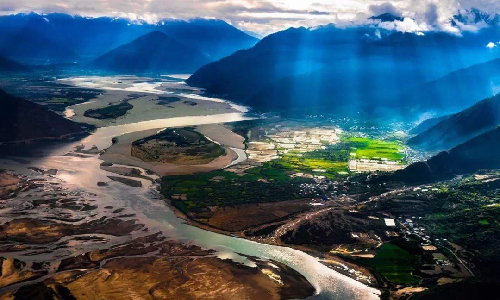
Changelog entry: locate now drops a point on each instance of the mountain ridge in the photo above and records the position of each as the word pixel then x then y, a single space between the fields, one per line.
pixel 152 52
pixel 473 155
pixel 23 120
pixel 460 127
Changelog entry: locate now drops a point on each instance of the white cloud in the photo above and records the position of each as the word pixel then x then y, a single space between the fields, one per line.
pixel 266 16
pixel 491 45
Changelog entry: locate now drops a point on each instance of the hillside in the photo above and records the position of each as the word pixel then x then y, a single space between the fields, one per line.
pixel 371 65
pixel 426 124
pixel 8 65
pixel 152 52
pixel 473 155
pixel 458 89
pixel 460 127
pixel 24 120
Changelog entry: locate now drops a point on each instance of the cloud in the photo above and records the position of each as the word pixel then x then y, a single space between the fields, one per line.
pixel 266 16
pixel 387 7
pixel 431 14
pixel 407 25
pixel 492 45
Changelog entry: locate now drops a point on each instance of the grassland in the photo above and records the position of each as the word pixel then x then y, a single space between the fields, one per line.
pixel 109 112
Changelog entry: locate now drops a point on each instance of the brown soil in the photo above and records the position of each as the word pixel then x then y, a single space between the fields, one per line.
pixel 153 268
pixel 9 184
pixel 34 231
pixel 246 216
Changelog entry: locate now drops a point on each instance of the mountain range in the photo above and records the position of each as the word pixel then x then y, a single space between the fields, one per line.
pixel 60 37
pixel 356 66
pixel 473 155
pixel 460 127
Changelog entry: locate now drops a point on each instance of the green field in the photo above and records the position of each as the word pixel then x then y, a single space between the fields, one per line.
pixel 395 264
pixel 376 149
pixel 334 159
pixel 256 185
pixel 307 163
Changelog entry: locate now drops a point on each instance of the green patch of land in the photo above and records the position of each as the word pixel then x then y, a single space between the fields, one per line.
pixel 165 100
pixel 327 162
pixel 109 112
pixel 476 229
pixel 395 264
pixel 221 188
pixel 333 160
pixel 177 145
pixel 376 149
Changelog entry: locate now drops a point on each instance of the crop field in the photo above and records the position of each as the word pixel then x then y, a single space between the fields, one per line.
pixel 333 160
pixel 395 264
pixel 376 149
pixel 312 163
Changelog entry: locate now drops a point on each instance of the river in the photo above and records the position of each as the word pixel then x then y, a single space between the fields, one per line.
pixel 83 173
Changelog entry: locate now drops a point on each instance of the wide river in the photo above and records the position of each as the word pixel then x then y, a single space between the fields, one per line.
pixel 83 173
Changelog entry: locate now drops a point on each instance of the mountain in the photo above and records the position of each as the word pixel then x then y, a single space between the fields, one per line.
pixel 475 16
pixel 21 120
pixel 29 44
pixel 8 65
pixel 332 67
pixel 152 52
pixel 215 38
pixel 90 38
pixel 426 124
pixel 387 17
pixel 458 89
pixel 473 155
pixel 458 128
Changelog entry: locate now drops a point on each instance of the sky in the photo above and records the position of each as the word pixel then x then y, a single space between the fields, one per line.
pixel 264 16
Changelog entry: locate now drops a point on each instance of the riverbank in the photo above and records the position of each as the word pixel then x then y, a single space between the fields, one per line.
pixel 349 269
pixel 80 192
pixel 121 153
pixel 151 264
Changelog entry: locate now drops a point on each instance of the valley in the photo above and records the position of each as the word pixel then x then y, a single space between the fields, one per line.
pixel 71 184
pixel 159 157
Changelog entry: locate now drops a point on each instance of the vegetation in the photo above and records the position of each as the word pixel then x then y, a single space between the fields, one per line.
pixel 395 264
pixel 256 185
pixel 376 149
pixel 165 100
pixel 333 160
pixel 464 212
pixel 109 112
pixel 178 145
